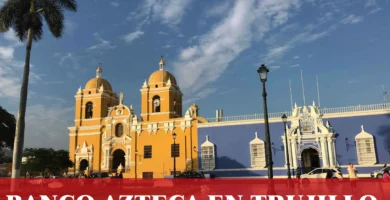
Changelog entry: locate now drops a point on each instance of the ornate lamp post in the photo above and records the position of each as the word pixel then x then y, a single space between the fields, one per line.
pixel 192 161
pixel 174 155
pixel 263 78
pixel 284 118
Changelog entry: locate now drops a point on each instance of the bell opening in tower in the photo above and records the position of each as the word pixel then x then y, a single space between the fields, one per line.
pixel 88 110
pixel 156 104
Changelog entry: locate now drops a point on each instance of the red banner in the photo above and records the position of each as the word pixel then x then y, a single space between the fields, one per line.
pixel 192 189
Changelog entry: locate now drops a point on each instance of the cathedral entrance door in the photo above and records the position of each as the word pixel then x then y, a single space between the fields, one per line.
pixel 118 158
pixel 83 164
pixel 310 160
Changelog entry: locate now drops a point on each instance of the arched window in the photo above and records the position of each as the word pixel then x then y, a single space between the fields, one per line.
pixel 257 152
pixel 208 155
pixel 365 148
pixel 88 110
pixel 156 104
pixel 119 130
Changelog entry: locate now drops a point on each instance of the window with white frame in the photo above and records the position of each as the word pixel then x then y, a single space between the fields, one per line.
pixel 208 155
pixel 365 148
pixel 257 152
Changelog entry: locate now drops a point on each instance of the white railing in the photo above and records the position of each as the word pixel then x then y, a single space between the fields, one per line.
pixel 359 108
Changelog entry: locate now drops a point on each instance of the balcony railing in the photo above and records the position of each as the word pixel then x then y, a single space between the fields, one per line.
pixel 348 109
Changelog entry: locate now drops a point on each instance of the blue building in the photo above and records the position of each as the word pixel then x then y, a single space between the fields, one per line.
pixel 327 137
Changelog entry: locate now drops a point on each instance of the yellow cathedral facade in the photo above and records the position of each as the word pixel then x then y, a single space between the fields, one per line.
pixel 108 136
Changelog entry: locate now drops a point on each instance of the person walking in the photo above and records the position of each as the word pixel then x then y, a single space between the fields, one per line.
pixel 386 176
pixel 352 173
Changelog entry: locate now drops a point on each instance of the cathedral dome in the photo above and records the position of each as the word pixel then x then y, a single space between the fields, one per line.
pixel 161 75
pixel 98 81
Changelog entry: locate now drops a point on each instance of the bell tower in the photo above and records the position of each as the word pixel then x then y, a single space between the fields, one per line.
pixel 161 98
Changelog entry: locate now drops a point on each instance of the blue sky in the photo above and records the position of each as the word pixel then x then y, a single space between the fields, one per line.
pixel 212 47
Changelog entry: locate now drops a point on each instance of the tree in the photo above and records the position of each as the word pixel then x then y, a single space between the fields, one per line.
pixel 25 17
pixel 7 129
pixel 46 160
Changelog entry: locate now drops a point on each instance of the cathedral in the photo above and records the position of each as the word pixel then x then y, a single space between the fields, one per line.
pixel 108 136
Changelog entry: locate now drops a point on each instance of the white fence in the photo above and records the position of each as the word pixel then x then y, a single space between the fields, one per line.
pixel 349 109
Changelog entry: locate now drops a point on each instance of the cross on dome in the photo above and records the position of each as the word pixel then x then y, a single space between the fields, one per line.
pixel 99 71
pixel 162 63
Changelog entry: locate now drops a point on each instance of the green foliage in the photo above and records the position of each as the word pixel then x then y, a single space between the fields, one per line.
pixel 22 15
pixel 7 129
pixel 46 160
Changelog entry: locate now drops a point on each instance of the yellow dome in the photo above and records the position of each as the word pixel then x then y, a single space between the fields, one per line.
pixel 97 82
pixel 160 76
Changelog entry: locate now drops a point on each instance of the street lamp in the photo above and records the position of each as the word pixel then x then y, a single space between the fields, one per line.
pixel 263 78
pixel 284 118
pixel 192 161
pixel 174 154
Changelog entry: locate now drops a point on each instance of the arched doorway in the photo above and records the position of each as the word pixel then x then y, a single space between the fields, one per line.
pixel 310 159
pixel 118 158
pixel 83 165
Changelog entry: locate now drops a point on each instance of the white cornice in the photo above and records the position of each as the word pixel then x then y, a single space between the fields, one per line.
pixel 85 127
pixel 85 134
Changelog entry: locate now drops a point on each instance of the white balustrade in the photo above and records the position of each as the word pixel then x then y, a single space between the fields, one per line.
pixel 349 109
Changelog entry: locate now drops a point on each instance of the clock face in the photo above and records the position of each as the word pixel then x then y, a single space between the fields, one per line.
pixel 156 102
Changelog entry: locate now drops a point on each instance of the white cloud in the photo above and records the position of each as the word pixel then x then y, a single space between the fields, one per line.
pixel 208 59
pixel 162 33
pixel 104 44
pixel 10 36
pixel 167 46
pixel 114 4
pixel 70 27
pixel 46 126
pixel 296 57
pixel 289 37
pixel 370 3
pixel 133 36
pixel 296 65
pixel 168 12
pixel 352 19
pixel 375 10
pixel 218 9
pixel 276 53
pixel 275 67
pixel 7 53
pixel 200 95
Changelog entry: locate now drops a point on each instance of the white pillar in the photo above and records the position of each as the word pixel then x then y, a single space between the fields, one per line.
pixel 331 152
pixel 324 152
pixel 285 152
pixel 294 151
pixel 292 165
pixel 127 158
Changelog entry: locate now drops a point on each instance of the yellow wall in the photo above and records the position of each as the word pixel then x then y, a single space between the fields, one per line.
pixel 161 163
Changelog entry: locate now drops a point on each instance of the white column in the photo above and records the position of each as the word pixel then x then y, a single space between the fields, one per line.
pixel 294 151
pixel 292 165
pixel 334 151
pixel 331 152
pixel 324 153
pixel 285 152
pixel 127 158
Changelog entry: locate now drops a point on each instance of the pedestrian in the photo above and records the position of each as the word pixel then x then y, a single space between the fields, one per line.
pixel 352 173
pixel 386 176
pixel 298 172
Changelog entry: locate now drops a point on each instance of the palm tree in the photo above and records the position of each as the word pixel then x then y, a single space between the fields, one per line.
pixel 25 17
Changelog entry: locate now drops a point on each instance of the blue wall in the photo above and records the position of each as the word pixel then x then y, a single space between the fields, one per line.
pixel 232 143
pixel 349 127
